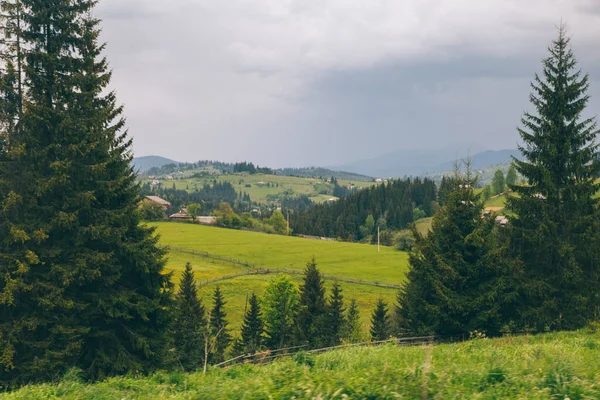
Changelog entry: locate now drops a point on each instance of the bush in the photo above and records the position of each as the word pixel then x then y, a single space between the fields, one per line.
pixel 404 240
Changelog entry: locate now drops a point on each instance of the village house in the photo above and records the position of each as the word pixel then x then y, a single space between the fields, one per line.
pixel 157 200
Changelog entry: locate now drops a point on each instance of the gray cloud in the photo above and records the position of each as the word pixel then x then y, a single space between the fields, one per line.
pixel 320 82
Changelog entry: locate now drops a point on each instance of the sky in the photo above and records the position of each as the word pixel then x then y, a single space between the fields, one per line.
pixel 324 82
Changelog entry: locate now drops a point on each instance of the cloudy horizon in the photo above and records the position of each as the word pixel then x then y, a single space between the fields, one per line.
pixel 295 83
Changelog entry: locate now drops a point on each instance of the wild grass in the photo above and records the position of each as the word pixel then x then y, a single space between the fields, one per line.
pixel 551 366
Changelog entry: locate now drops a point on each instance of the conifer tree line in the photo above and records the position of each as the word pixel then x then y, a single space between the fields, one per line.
pixel 285 316
pixel 393 204
pixel 541 272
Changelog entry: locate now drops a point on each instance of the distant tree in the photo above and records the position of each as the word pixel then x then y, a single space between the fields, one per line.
pixel 368 227
pixel 218 328
pixel 404 240
pixel 336 319
pixel 418 214
pixel 312 307
pixel 193 211
pixel 380 329
pixel 150 211
pixel 278 222
pixel 511 176
pixel 226 216
pixel 252 338
pixel 498 183
pixel 487 192
pixel 189 322
pixel 556 227
pixel 280 304
pixel 353 329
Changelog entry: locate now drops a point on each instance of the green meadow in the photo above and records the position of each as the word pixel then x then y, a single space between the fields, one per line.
pixel 563 365
pixel 344 260
pixel 260 186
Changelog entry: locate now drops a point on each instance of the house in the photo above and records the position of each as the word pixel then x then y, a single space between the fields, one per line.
pixel 501 220
pixel 207 220
pixel 157 200
pixel 182 215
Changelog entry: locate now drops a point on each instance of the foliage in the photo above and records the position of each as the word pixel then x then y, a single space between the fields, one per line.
pixel 278 222
pixel 404 240
pixel 380 327
pixel 498 183
pixel 352 331
pixel 81 280
pixel 189 323
pixel 226 216
pixel 193 210
pixel 336 320
pixel 280 305
pixel 486 193
pixel 150 211
pixel 557 217
pixel 312 310
pixel 219 330
pixel 252 331
pixel 556 366
pixel 458 280
pixel 345 218
pixel 511 176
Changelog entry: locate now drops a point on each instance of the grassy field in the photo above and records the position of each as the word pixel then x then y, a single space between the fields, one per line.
pixel 345 260
pixel 552 366
pixel 352 260
pixel 259 190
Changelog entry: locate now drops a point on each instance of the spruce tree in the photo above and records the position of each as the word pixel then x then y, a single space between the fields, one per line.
pixel 280 306
pixel 458 280
pixel 511 176
pixel 189 323
pixel 218 328
pixel 380 329
pixel 251 339
pixel 313 308
pixel 556 227
pixel 352 331
pixel 81 280
pixel 336 320
pixel 498 183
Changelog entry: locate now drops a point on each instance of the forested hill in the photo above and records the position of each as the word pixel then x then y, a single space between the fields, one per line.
pixel 394 205
pixel 316 172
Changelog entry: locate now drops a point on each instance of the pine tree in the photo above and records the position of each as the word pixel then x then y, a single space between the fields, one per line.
pixel 218 328
pixel 458 281
pixel 280 305
pixel 81 280
pixel 352 331
pixel 498 183
pixel 251 339
pixel 336 320
pixel 557 217
pixel 189 323
pixel 380 329
pixel 511 176
pixel 313 308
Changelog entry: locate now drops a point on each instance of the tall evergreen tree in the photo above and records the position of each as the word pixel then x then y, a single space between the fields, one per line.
pixel 498 182
pixel 280 305
pixel 336 320
pixel 353 328
pixel 557 217
pixel 189 323
pixel 252 338
pixel 313 308
pixel 511 176
pixel 81 281
pixel 458 280
pixel 380 329
pixel 218 328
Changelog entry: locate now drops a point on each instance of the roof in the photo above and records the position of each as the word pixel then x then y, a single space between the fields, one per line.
pixel 158 200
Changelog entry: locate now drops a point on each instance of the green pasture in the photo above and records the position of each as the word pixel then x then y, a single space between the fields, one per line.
pixel 351 260
pixel 561 366
pixel 259 186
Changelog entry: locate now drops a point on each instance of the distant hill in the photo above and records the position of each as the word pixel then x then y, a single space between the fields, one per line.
pixel 485 159
pixel 143 164
pixel 426 162
pixel 318 172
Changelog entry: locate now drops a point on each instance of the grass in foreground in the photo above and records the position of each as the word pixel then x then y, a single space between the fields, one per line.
pixel 553 366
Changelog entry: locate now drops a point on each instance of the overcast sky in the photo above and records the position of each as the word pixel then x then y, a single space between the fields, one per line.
pixel 320 82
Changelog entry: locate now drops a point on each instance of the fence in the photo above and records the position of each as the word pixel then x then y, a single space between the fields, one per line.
pixel 255 269
pixel 266 357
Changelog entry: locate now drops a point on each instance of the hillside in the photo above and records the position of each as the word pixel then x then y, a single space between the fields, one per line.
pixel 349 261
pixel 143 164
pixel 552 366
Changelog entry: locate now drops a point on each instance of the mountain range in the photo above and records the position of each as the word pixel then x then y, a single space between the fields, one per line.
pixel 143 164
